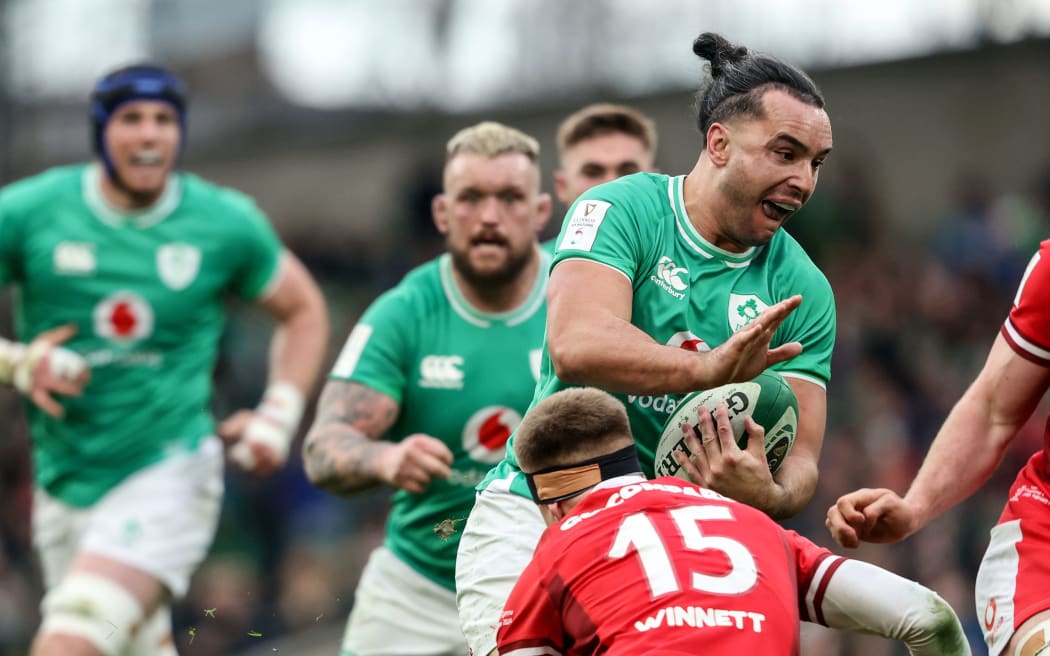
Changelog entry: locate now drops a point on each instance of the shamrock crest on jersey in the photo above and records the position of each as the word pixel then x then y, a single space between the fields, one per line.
pixel 743 309
pixel 177 264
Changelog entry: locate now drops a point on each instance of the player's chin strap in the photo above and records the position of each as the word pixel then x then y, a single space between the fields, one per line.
pixel 563 482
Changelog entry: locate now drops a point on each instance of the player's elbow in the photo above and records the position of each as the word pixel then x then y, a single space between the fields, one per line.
pixel 935 628
pixel 570 364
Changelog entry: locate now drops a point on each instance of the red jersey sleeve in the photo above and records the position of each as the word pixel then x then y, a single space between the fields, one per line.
pixel 530 623
pixel 814 567
pixel 1027 328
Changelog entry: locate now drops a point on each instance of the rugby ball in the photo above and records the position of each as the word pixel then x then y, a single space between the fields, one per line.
pixel 768 399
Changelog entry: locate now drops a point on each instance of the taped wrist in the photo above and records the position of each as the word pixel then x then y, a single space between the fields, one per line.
pixel 11 354
pixel 275 422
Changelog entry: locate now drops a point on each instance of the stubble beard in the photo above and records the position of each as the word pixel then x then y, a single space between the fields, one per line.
pixel 736 227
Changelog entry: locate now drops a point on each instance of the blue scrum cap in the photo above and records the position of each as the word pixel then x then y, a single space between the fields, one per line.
pixel 137 82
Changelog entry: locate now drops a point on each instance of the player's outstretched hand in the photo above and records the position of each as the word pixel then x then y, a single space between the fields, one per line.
pixel 747 354
pixel 719 464
pixel 252 447
pixel 48 369
pixel 871 515
pixel 414 461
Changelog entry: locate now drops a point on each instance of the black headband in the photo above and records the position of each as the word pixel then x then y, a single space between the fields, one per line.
pixel 563 482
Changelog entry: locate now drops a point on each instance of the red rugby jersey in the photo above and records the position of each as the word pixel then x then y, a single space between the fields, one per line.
pixel 664 566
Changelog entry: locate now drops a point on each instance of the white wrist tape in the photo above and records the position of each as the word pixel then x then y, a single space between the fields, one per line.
pixel 11 354
pixel 274 424
pixel 18 363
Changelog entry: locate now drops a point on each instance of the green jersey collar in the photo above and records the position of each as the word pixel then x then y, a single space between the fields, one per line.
pixel 513 317
pixel 105 212
pixel 691 236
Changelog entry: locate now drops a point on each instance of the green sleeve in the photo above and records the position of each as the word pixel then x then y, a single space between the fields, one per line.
pixel 602 226
pixel 258 249
pixel 376 352
pixel 812 324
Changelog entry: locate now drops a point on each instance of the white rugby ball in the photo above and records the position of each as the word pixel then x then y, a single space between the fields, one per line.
pixel 768 399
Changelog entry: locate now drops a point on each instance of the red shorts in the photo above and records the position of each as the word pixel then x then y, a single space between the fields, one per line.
pixel 1014 579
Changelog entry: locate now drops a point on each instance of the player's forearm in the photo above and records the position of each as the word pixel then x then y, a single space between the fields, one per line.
pixel 965 453
pixel 614 355
pixel 864 598
pixel 342 460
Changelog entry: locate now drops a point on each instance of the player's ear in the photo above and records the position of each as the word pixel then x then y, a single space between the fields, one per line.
pixel 543 210
pixel 558 510
pixel 718 144
pixel 439 211
pixel 561 188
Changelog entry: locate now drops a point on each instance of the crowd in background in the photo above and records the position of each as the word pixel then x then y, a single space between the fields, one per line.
pixel 915 319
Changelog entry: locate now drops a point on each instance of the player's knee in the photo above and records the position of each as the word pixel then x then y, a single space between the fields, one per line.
pixel 154 638
pixel 92 608
pixel 1035 639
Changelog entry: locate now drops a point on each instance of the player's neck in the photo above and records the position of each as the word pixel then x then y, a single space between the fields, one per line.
pixel 498 297
pixel 119 198
pixel 704 203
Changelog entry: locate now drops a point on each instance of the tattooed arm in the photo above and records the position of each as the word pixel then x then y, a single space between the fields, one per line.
pixel 343 453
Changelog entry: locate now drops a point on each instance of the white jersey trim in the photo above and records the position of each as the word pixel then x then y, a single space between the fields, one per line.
pixel 692 236
pixel 608 266
pixel 461 306
pixel 91 189
pixel 815 585
pixel 1023 343
pixel 270 288
pixel 807 378
pixel 532 651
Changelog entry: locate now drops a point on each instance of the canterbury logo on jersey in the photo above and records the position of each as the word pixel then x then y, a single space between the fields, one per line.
pixel 74 258
pixel 441 372
pixel 669 277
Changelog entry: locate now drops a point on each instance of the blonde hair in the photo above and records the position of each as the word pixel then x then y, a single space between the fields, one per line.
pixel 490 139
pixel 605 118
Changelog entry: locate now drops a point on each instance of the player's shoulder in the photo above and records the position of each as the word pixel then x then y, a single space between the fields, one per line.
pixel 210 198
pixel 44 187
pixel 421 290
pixel 642 188
pixel 1044 251
pixel 788 258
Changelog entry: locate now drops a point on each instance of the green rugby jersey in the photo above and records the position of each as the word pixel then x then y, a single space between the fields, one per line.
pixel 145 292
pixel 459 375
pixel 687 292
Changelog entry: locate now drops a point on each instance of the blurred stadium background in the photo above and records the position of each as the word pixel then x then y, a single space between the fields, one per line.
pixel 333 115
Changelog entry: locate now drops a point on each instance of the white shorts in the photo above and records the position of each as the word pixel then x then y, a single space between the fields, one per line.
pixel 498 540
pixel 161 519
pixel 399 612
pixel 1013 582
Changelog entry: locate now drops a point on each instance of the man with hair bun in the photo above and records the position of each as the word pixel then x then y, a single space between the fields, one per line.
pixel 122 266
pixel 663 285
pixel 430 384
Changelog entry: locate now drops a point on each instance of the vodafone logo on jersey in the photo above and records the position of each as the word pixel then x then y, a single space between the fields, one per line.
pixel 486 433
pixel 123 316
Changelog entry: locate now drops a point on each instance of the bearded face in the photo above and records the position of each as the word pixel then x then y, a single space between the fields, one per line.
pixel 490 214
